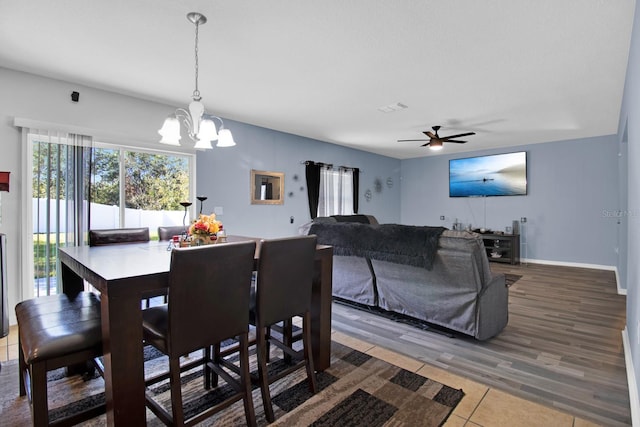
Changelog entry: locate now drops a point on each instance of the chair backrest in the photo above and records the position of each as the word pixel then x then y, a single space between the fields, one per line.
pixel 167 232
pixel 209 290
pixel 114 236
pixel 285 277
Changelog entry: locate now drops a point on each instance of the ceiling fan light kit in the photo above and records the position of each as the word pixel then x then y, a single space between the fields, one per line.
pixel 200 126
pixel 436 145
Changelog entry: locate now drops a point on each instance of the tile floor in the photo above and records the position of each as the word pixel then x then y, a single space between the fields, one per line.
pixel 481 406
pixel 9 345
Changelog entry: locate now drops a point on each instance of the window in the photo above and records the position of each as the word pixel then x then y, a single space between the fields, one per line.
pixel 137 188
pixel 336 192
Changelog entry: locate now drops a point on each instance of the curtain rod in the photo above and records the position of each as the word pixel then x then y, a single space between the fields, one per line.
pixel 329 165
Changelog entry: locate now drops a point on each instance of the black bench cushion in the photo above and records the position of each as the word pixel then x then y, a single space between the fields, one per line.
pixel 57 325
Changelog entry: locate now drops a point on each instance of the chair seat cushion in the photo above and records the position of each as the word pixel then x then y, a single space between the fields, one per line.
pixel 155 325
pixel 57 325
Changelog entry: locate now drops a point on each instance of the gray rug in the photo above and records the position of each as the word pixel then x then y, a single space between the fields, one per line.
pixel 356 390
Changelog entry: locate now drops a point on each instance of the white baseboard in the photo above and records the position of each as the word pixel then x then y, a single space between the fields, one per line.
pixel 631 379
pixel 569 264
pixel 621 290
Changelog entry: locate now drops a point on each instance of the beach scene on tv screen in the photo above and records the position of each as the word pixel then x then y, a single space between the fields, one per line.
pixel 497 175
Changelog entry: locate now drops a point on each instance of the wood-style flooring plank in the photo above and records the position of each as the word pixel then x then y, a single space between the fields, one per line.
pixel 562 346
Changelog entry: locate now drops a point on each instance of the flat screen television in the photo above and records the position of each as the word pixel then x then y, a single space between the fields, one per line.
pixel 495 175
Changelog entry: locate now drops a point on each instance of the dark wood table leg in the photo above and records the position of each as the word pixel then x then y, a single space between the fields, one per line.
pixel 71 282
pixel 124 361
pixel 321 309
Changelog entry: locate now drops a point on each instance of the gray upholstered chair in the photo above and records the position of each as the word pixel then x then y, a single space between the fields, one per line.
pixel 285 274
pixel 56 331
pixel 209 303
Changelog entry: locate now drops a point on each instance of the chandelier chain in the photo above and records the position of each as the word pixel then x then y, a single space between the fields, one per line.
pixel 196 92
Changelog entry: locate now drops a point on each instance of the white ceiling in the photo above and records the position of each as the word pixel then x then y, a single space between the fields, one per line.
pixel 513 71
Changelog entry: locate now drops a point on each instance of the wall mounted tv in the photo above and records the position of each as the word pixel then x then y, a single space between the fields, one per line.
pixel 482 176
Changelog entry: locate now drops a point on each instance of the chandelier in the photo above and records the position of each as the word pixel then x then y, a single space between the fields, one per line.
pixel 200 126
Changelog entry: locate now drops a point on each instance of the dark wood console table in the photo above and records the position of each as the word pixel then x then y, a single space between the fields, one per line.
pixel 502 247
pixel 124 275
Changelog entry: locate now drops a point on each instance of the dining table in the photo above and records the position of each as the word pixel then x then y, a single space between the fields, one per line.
pixel 126 274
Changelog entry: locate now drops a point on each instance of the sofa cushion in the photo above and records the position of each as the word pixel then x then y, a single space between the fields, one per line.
pixel 362 219
pixel 402 244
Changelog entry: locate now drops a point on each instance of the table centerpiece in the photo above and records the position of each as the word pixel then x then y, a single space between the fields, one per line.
pixel 204 230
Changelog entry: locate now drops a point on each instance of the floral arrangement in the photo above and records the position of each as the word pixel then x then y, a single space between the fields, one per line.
pixel 205 225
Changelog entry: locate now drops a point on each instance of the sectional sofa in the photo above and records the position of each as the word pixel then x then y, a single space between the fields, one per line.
pixel 430 273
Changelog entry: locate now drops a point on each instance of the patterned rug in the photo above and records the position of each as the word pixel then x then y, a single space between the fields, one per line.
pixel 356 390
pixel 510 279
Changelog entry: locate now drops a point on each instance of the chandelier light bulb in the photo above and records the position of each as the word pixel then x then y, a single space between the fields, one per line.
pixel 225 138
pixel 170 131
pixel 208 130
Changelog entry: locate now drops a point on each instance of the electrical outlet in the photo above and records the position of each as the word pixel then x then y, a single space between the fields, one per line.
pixel 441 217
pixel 523 219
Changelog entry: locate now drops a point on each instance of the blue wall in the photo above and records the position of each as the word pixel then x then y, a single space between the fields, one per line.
pixel 571 206
pixel 223 176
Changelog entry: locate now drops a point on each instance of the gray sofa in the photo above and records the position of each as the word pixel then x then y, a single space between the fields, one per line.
pixel 429 273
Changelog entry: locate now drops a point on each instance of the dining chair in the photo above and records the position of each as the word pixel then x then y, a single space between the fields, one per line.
pixel 57 331
pixel 209 289
pixel 118 236
pixel 166 232
pixel 114 236
pixel 283 291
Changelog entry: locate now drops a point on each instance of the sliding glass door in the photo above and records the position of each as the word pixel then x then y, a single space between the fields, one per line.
pixel 78 184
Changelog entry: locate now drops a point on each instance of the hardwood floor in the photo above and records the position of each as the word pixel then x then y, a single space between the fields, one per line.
pixel 562 346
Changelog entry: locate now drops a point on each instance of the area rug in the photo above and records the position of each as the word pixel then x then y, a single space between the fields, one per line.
pixel 510 279
pixel 357 390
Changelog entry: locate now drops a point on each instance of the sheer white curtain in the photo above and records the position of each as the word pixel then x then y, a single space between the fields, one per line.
pixel 56 177
pixel 345 188
pixel 336 192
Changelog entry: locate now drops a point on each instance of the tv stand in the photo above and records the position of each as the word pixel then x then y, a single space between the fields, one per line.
pixel 502 247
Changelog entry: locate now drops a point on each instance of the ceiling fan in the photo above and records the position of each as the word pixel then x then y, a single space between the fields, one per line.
pixel 435 141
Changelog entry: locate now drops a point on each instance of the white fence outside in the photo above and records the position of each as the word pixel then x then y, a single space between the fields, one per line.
pixel 105 216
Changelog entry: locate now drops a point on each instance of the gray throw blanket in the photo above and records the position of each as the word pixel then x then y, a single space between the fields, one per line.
pixel 400 244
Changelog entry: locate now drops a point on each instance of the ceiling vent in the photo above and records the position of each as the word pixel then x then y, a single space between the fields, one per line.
pixel 393 107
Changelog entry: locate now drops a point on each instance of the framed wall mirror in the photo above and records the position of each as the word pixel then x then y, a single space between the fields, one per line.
pixel 267 188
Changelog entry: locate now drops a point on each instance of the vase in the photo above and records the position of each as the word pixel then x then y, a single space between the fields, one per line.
pixel 203 239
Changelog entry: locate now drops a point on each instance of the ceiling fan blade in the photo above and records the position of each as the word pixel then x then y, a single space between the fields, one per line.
pixel 412 140
pixel 424 145
pixel 444 138
pixel 458 142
